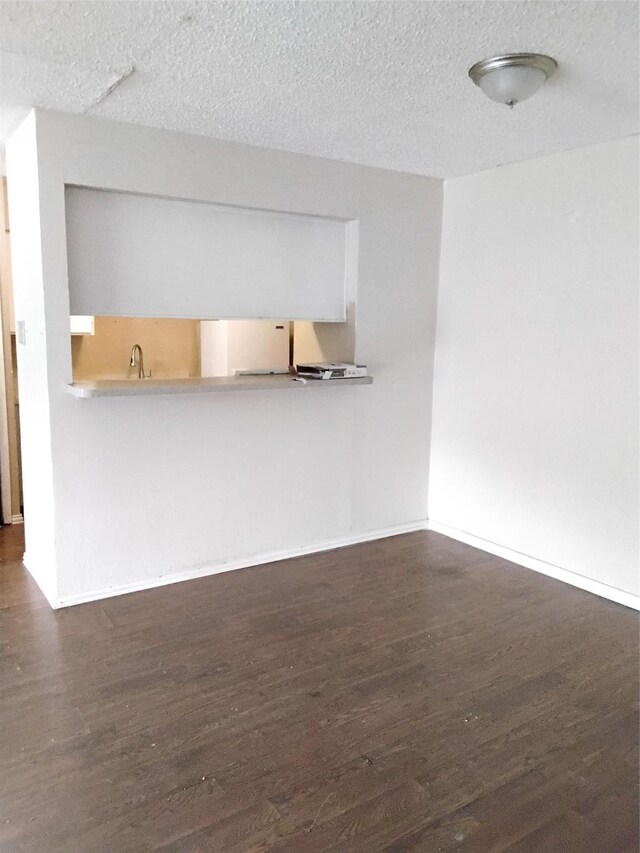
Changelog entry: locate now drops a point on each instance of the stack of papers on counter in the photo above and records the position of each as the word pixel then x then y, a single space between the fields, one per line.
pixel 331 370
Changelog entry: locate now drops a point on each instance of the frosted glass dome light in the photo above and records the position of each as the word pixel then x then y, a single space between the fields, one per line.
pixel 513 77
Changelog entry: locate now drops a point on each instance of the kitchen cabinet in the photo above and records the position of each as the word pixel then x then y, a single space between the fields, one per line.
pixel 148 256
pixel 82 324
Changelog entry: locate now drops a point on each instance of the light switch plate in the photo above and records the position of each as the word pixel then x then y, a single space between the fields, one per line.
pixel 21 332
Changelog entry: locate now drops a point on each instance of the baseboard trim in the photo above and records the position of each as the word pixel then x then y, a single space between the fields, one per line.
pixel 244 563
pixel 619 596
pixel 17 519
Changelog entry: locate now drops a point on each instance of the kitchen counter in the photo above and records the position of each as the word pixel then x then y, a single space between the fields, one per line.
pixel 153 387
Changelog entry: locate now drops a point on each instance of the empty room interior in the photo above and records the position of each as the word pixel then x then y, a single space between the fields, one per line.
pixel 319 426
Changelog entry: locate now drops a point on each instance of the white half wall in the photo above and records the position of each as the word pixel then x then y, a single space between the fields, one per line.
pixel 147 488
pixel 535 436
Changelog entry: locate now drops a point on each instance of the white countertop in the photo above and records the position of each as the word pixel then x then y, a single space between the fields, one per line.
pixel 151 387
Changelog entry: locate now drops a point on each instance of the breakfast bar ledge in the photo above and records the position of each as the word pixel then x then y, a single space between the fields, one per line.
pixel 196 385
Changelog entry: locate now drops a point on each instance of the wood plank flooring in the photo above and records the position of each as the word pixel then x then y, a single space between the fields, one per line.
pixel 411 694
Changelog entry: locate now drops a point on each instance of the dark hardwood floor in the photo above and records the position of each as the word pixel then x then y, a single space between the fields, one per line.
pixel 411 694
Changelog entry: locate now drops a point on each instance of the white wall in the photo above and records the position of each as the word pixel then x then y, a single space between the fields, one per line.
pixel 156 486
pixel 535 432
pixel 32 306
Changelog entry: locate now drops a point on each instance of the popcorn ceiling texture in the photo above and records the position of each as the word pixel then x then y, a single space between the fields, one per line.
pixel 379 83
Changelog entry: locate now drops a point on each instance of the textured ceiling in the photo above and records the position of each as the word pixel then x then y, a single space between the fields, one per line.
pixel 381 83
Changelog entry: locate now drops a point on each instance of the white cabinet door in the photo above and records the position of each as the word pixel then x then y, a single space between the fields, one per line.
pixel 82 324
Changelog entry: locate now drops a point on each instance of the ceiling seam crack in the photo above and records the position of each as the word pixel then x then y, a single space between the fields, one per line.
pixel 101 97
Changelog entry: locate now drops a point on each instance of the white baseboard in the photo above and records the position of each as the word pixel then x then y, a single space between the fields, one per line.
pixel 232 565
pixel 628 599
pixel 17 519
pixel 619 596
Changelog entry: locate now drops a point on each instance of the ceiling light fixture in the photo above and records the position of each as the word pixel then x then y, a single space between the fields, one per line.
pixel 513 77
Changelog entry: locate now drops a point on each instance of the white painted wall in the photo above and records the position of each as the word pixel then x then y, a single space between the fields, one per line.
pixel 147 488
pixel 535 432
pixel 33 304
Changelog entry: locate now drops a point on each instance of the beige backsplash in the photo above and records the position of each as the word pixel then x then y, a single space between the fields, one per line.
pixel 171 348
pixel 315 342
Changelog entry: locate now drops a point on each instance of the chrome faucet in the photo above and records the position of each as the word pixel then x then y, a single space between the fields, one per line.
pixel 137 350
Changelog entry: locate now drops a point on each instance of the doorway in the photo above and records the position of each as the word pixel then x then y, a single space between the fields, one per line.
pixel 10 465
